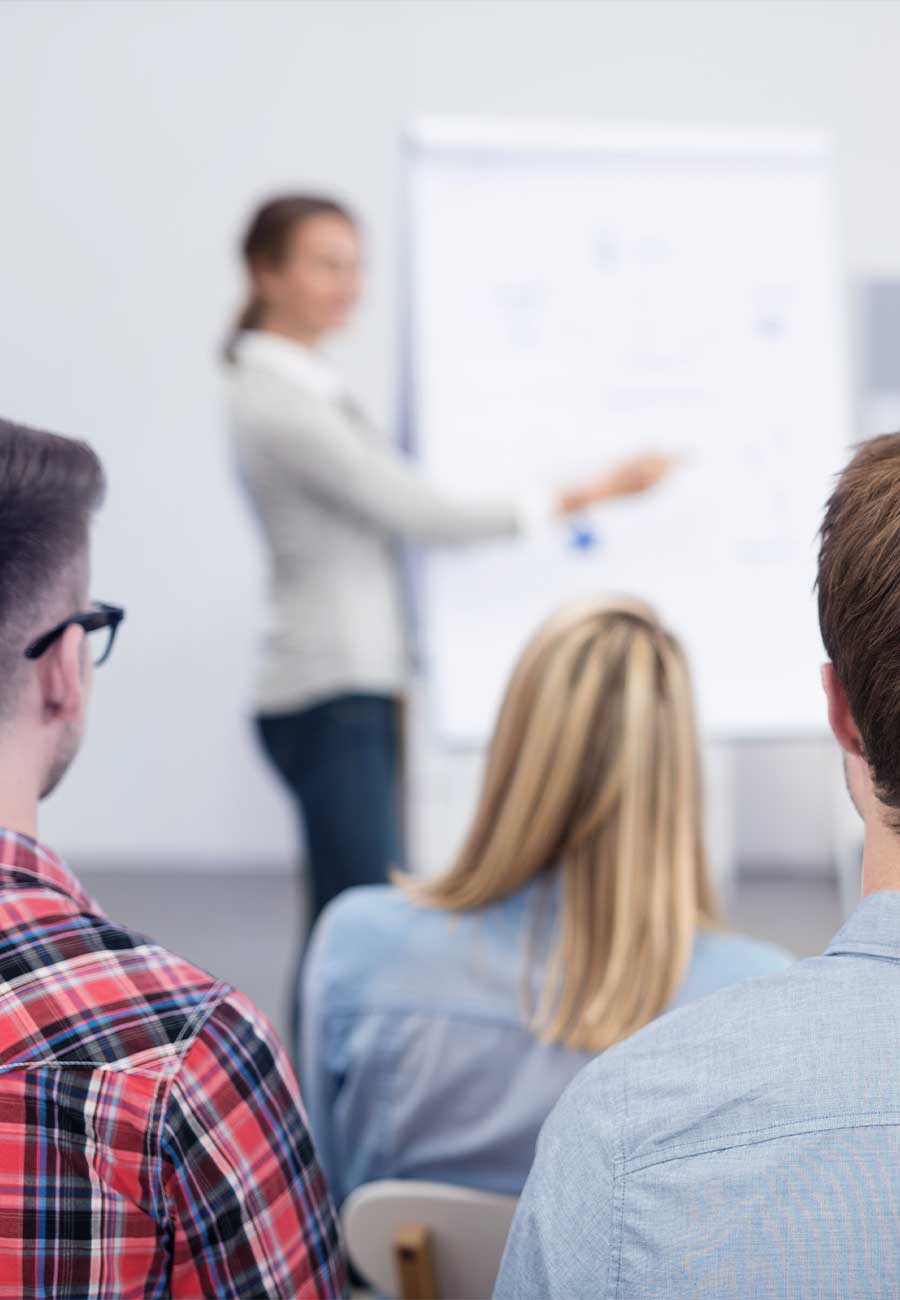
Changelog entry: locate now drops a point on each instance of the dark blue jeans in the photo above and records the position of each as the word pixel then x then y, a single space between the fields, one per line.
pixel 341 762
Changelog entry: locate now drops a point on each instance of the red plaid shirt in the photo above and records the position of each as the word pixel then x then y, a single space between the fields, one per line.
pixel 152 1138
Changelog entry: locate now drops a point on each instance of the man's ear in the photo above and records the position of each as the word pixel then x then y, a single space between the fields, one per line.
pixel 63 676
pixel 840 718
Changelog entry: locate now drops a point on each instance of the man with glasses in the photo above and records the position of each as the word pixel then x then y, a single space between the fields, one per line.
pixel 152 1139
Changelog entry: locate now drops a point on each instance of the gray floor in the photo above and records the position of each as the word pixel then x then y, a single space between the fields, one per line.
pixel 241 927
pixel 244 927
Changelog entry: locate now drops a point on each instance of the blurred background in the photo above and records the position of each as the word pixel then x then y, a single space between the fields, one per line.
pixel 135 139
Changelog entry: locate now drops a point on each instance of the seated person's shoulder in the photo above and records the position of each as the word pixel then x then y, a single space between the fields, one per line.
pixel 225 1030
pixel 360 931
pixel 377 944
pixel 179 1001
pixel 733 1014
pixel 139 1004
pixel 694 1072
pixel 376 916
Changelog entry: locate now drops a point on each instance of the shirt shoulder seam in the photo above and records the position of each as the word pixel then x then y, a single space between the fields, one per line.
pixel 214 998
pixel 766 1133
pixel 348 1011
pixel 166 1067
pixel 618 1196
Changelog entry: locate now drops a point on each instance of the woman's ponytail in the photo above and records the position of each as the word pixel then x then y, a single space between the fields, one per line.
pixel 250 317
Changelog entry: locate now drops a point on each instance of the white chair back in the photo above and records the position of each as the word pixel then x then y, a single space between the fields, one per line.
pixel 427 1241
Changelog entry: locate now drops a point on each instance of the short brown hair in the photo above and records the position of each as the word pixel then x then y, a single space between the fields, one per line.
pixel 859 602
pixel 49 488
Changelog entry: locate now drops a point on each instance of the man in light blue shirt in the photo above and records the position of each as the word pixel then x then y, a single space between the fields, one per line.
pixel 749 1145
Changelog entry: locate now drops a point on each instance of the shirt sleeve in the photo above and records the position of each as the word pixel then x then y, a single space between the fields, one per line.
pixel 315 442
pixel 250 1212
pixel 563 1238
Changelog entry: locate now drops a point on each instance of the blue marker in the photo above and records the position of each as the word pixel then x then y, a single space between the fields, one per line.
pixel 582 537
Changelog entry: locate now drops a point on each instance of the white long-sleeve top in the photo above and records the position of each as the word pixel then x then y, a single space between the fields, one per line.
pixel 333 500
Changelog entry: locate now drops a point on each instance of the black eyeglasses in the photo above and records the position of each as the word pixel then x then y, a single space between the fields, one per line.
pixel 103 620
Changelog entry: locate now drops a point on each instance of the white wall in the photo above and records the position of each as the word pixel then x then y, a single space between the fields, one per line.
pixel 134 137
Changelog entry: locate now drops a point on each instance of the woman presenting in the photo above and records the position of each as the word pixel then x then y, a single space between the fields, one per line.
pixel 333 499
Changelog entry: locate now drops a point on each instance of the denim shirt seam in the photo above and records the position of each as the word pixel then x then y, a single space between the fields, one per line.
pixel 618 1196
pixel 350 1010
pixel 765 1133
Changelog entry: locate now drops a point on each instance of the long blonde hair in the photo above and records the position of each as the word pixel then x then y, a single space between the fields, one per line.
pixel 594 771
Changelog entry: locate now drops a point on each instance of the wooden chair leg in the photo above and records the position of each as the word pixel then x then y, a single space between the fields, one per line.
pixel 414 1262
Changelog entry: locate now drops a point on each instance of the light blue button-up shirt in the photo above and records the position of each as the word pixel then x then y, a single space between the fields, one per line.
pixel 746 1146
pixel 416 1058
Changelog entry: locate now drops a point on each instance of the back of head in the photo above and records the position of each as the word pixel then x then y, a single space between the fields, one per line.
pixel 49 488
pixel 593 771
pixel 859 604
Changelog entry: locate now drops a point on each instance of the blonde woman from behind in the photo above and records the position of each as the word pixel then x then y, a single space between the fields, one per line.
pixel 443 1018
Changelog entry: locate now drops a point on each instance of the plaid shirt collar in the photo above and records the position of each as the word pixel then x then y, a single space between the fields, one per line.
pixel 25 861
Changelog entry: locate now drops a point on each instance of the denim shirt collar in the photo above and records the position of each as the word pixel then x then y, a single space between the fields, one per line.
pixel 873 929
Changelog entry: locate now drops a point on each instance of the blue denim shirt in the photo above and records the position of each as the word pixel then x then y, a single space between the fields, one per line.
pixel 745 1146
pixel 416 1057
